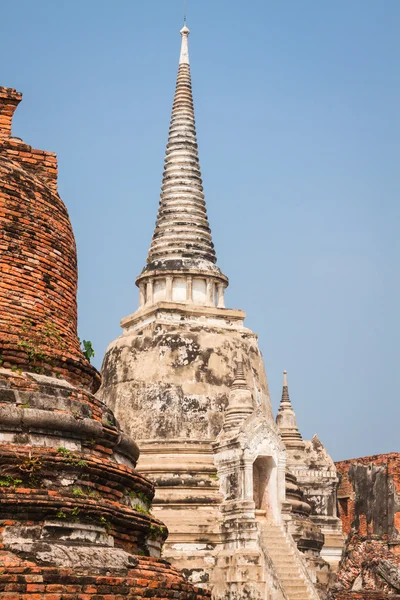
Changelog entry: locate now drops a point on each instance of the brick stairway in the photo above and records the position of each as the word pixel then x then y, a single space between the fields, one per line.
pixel 289 566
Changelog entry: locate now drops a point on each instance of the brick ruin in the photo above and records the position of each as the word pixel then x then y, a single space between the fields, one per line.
pixel 75 520
pixel 254 512
pixel 369 507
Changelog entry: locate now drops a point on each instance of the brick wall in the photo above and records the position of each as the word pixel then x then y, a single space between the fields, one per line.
pixel 9 100
pixel 368 495
pixel 38 265
pixel 369 507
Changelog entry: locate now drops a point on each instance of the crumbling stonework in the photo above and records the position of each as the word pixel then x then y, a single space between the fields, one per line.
pixel 369 506
pixel 75 520
pixel 38 284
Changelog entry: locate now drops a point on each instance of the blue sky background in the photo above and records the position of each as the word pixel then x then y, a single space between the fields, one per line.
pixel 297 109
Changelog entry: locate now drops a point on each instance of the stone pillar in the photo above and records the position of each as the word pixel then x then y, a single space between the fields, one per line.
pixel 221 297
pixel 214 294
pixel 149 292
pixel 142 295
pixel 209 297
pixel 168 290
pixel 189 289
pixel 248 479
pixel 281 479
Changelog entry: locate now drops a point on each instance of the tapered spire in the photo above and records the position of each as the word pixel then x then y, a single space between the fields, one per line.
pixel 240 401
pixel 286 419
pixel 182 236
pixel 239 381
pixel 184 57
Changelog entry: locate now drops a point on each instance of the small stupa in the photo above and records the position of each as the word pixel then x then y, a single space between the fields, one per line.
pixel 312 483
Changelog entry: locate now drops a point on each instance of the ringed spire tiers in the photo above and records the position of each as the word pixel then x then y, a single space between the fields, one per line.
pixel 286 419
pixel 181 263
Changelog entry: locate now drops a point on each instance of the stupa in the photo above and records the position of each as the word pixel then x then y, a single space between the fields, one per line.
pixel 313 471
pixel 186 378
pixel 75 520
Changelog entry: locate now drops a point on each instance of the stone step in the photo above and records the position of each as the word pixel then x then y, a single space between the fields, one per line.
pixel 278 550
pixel 287 564
pixel 289 571
pixel 282 555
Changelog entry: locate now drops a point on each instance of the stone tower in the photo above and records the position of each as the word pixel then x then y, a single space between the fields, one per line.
pixel 311 468
pixel 186 378
pixel 74 513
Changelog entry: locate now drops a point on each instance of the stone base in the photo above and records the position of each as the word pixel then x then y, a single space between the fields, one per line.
pixel 23 578
pixel 240 574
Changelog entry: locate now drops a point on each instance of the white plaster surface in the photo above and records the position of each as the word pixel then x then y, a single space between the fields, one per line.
pixel 179 289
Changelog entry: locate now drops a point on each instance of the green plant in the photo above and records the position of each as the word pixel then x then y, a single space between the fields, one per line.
pixel 141 509
pixel 156 531
pixel 9 481
pixel 214 476
pixel 34 481
pixel 142 497
pixel 36 339
pixel 103 521
pixel 93 494
pixel 34 351
pixel 75 513
pixel 65 451
pixel 71 458
pixel 87 349
pixel 78 492
pixel 61 514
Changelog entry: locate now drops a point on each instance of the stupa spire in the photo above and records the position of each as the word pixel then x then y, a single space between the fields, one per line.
pixel 240 401
pixel 286 419
pixel 182 242
pixel 184 57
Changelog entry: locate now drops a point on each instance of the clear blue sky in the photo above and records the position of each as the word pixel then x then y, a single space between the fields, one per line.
pixel 297 108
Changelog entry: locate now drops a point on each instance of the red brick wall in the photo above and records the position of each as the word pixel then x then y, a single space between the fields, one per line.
pixel 9 100
pixel 38 265
pixel 353 509
pixel 369 507
pixel 21 580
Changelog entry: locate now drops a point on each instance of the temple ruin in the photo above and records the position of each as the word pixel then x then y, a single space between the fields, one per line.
pixel 169 477
pixel 369 506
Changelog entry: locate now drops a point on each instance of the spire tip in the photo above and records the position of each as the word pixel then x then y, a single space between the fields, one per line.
pixel 184 57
